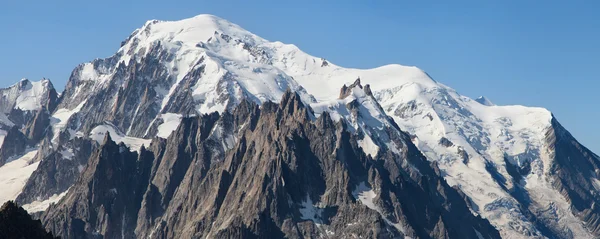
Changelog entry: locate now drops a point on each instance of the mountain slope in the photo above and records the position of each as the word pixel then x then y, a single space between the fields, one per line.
pixel 24 116
pixel 288 174
pixel 16 223
pixel 514 165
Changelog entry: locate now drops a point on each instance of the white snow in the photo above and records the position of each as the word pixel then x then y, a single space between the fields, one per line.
pixel 67 153
pixel 99 132
pixel 420 106
pixel 25 95
pixel 170 123
pixel 368 146
pixel 39 206
pixel 311 212
pixel 2 136
pixel 366 195
pixel 88 72
pixel 5 121
pixel 217 45
pixel 369 120
pixel 60 118
pixel 31 97
pixel 14 175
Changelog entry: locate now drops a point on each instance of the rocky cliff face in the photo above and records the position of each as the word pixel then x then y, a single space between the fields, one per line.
pixel 24 116
pixel 279 174
pixel 57 171
pixel 367 160
pixel 16 223
pixel 575 174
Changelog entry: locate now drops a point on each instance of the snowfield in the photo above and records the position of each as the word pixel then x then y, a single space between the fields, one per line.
pixel 14 175
pixel 223 64
pixel 133 143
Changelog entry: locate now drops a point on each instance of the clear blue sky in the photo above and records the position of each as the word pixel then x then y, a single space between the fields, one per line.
pixel 534 53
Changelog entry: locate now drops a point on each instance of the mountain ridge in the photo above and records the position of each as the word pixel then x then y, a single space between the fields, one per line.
pixel 500 157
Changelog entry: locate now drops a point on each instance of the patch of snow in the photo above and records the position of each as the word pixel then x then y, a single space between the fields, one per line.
pixel 14 175
pixel 2 136
pixel 88 72
pixel 596 183
pixel 67 153
pixel 542 193
pixel 99 132
pixel 366 195
pixel 219 134
pixel 39 206
pixel 5 121
pixel 60 118
pixel 30 98
pixel 368 146
pixel 170 123
pixel 309 211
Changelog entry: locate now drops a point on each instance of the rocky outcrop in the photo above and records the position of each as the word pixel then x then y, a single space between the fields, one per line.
pixel 16 223
pixel 57 171
pixel 25 113
pixel 347 90
pixel 35 130
pixel 575 173
pixel 102 203
pixel 15 143
pixel 276 173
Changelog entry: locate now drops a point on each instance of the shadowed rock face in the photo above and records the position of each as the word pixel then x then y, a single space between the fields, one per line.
pixel 57 171
pixel 14 144
pixel 16 223
pixel 260 172
pixel 27 115
pixel 575 173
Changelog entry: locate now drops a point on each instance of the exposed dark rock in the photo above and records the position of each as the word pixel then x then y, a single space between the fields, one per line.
pixel 105 199
pixel 463 154
pixel 285 176
pixel 347 90
pixel 16 223
pixel 57 171
pixel 35 130
pixel 573 169
pixel 445 142
pixel 15 144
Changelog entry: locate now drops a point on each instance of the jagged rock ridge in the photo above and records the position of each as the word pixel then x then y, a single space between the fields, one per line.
pixel 285 176
pixel 509 162
pixel 16 223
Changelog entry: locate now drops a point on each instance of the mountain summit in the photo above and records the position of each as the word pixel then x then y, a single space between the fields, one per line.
pixel 207 117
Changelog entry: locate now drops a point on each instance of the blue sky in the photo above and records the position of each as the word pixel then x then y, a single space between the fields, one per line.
pixel 534 53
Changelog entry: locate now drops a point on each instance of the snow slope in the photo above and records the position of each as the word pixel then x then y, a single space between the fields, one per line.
pixel 482 134
pixel 14 174
pixel 473 141
pixel 219 60
pixel 39 206
pixel 133 143
pixel 25 95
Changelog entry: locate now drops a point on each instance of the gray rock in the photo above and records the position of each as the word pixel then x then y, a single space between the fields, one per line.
pixel 285 176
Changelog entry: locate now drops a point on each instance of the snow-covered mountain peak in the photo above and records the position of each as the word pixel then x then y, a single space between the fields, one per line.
pixel 191 31
pixel 26 95
pixel 168 70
